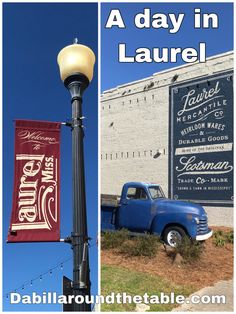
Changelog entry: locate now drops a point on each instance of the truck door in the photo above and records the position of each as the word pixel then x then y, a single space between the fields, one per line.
pixel 135 210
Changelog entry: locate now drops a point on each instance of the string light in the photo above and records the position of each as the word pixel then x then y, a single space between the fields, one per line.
pixel 40 277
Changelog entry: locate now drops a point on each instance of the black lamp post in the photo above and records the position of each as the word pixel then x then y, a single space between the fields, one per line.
pixel 76 64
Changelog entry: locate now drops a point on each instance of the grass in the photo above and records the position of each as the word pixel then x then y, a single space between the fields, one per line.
pixel 118 280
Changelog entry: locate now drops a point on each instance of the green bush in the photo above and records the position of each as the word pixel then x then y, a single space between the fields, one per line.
pixel 230 237
pixel 146 245
pixel 220 238
pixel 114 239
pixel 190 250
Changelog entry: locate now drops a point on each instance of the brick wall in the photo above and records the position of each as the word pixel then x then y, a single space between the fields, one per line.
pixel 134 128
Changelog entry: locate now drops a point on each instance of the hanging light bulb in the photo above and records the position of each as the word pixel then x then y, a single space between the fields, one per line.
pixel 61 266
pixel 50 272
pixel 40 278
pixel 31 283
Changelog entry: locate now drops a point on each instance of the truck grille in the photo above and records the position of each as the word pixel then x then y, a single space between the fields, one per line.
pixel 202 227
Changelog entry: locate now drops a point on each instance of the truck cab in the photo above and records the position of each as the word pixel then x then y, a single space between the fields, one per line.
pixel 138 200
pixel 143 208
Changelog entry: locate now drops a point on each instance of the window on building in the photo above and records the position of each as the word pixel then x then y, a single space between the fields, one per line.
pixel 136 194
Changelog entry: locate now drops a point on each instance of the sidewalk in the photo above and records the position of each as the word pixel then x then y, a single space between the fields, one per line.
pixel 220 288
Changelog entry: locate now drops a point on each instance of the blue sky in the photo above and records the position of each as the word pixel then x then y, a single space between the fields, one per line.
pixel 114 73
pixel 33 34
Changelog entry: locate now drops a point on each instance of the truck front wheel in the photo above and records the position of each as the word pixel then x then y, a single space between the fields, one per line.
pixel 173 235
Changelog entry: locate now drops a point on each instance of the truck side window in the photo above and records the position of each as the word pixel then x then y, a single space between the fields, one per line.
pixel 136 194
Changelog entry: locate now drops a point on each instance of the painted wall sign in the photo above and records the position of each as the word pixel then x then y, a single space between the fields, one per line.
pixel 35 206
pixel 201 140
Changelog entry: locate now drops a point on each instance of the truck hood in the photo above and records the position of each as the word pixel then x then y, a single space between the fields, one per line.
pixel 173 206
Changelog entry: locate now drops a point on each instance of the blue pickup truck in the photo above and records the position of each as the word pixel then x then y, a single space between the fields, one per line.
pixel 143 208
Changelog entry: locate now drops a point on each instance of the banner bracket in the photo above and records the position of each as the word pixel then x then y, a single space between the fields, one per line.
pixel 66 240
pixel 68 123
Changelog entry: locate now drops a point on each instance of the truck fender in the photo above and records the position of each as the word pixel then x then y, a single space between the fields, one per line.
pixel 161 222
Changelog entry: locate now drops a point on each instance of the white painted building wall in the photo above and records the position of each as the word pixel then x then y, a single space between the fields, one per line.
pixel 135 126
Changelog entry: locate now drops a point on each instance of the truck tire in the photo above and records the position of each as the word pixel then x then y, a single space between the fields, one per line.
pixel 173 235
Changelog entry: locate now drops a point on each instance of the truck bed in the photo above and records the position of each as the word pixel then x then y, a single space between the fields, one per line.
pixel 108 217
pixel 110 200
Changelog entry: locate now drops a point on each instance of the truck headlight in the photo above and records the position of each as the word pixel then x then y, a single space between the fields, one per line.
pixel 196 220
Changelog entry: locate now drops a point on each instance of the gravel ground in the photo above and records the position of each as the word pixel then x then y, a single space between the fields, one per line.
pixel 220 288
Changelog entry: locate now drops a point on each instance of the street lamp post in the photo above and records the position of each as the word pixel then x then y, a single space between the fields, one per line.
pixel 76 64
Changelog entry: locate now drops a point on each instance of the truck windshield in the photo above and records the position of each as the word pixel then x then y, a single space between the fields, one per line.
pixel 156 192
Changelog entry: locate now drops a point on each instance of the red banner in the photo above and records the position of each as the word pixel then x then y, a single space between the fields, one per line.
pixel 36 197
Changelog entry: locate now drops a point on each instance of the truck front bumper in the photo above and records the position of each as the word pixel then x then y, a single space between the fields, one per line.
pixel 202 237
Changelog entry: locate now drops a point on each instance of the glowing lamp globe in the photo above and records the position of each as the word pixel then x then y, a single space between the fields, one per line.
pixel 76 59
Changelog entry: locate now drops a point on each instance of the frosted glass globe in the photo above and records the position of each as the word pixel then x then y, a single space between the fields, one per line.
pixel 74 59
